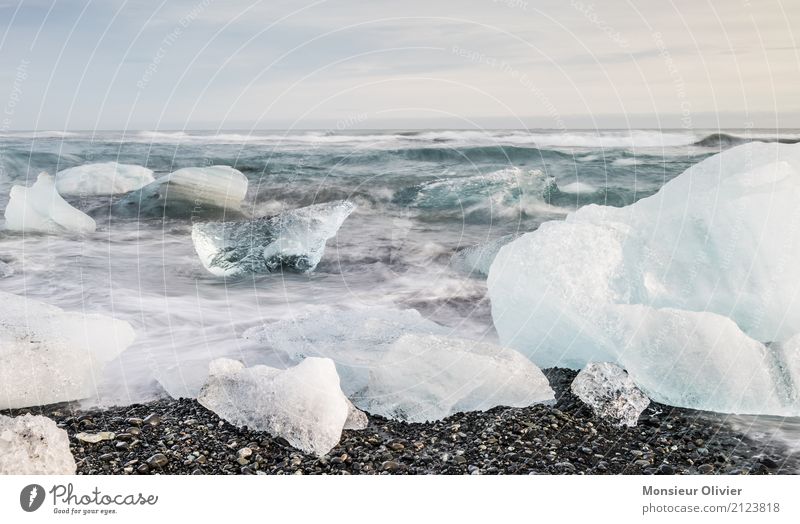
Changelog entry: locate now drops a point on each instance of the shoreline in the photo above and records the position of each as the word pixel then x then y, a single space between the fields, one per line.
pixel 171 436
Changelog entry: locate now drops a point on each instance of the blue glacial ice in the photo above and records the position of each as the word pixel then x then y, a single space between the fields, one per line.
pixel 400 365
pixel 695 290
pixel 293 240
pixel 49 355
pixel 40 209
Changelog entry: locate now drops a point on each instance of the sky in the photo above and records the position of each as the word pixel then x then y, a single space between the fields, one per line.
pixel 348 64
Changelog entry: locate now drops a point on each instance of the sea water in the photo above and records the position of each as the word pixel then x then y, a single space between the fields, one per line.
pixel 421 197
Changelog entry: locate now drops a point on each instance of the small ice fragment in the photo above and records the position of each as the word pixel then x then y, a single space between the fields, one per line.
pixel 303 404
pixel 293 240
pixel 610 392
pixel 34 445
pixel 40 209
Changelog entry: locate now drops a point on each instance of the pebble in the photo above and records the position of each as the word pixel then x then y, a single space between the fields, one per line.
pixel 180 436
pixel 159 460
pixel 152 420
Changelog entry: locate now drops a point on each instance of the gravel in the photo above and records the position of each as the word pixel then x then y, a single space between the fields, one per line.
pixel 181 437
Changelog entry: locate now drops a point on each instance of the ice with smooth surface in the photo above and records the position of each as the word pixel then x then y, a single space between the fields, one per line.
pixel 303 404
pixel 40 209
pixel 293 240
pixel 430 377
pixel 476 260
pixel 683 289
pixel 353 338
pixel 191 192
pixel 49 355
pixel 611 393
pixel 106 178
pixel 34 445
pixel 398 364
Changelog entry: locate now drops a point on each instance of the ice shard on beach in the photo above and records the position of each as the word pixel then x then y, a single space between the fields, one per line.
pixel 106 178
pixel 40 209
pixel 684 289
pixel 610 392
pixel 191 192
pixel 34 445
pixel 429 377
pixel 293 240
pixel 48 355
pixel 303 404
pixel 397 364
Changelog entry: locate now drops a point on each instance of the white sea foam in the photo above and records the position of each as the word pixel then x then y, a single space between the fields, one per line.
pixel 578 188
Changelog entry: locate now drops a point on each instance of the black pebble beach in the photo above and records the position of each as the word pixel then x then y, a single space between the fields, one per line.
pixel 181 437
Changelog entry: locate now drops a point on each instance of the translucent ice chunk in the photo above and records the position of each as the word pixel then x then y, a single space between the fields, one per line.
pixel 303 404
pixel 610 392
pixel 48 355
pixel 293 240
pixel 400 365
pixel 683 288
pixel 107 178
pixel 353 338
pixel 34 445
pixel 40 209
pixel 430 377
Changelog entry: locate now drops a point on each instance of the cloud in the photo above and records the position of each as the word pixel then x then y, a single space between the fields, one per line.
pixel 229 61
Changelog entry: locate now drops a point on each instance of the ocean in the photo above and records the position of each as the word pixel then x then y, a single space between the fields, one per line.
pixel 422 197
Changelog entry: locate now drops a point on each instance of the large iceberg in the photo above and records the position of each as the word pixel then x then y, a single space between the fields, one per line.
pixel 611 393
pixel 401 365
pixel 34 445
pixel 684 289
pixel 106 178
pixel 40 209
pixel 48 355
pixel 303 404
pixel 293 240
pixel 191 192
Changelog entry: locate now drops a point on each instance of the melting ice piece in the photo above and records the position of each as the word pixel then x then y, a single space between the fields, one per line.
pixel 107 178
pixel 354 338
pixel 682 288
pixel 610 392
pixel 40 209
pixel 476 260
pixel 356 419
pixel 188 192
pixel 48 355
pixel 303 404
pixel 398 364
pixel 430 377
pixel 34 445
pixel 293 240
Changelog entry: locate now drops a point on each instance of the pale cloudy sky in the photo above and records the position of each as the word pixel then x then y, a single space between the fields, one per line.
pixel 212 64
